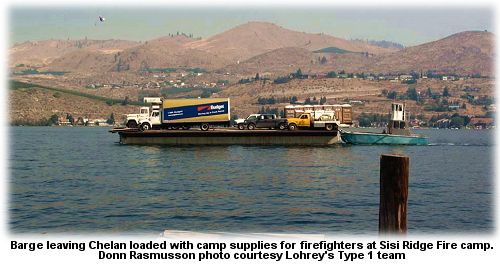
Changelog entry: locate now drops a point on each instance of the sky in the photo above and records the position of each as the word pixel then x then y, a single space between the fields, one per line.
pixel 406 25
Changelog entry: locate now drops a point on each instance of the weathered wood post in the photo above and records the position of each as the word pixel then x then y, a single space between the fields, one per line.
pixel 394 174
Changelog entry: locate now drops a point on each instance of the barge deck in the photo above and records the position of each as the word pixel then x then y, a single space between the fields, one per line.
pixel 227 137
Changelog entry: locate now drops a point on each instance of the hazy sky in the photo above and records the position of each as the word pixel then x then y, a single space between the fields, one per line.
pixel 408 25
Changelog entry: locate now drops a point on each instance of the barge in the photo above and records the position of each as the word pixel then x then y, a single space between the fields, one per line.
pixel 227 137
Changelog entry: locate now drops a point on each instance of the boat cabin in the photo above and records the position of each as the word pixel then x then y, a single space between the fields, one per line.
pixel 399 120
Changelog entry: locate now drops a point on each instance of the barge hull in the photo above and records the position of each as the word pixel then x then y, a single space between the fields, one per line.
pixel 230 137
pixel 386 139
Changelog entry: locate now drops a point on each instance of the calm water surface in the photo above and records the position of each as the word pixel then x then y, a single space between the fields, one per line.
pixel 82 180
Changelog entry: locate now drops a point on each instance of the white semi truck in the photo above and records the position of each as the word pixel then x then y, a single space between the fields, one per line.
pixel 181 113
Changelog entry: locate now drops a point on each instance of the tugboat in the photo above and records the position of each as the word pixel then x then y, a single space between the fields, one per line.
pixel 396 133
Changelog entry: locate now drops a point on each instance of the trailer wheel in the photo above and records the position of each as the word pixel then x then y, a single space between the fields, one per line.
pixel 282 126
pixel 241 126
pixel 131 124
pixel 292 127
pixel 251 126
pixel 329 127
pixel 204 126
pixel 145 126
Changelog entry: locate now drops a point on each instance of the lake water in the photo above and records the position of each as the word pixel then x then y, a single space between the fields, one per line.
pixel 81 180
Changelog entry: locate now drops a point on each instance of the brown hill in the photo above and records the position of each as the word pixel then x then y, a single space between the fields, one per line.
pixel 237 44
pixel 254 38
pixel 462 53
pixel 31 105
pixel 261 47
pixel 41 53
pixel 83 61
pixel 168 52
pixel 276 62
pixel 287 60
pixel 165 52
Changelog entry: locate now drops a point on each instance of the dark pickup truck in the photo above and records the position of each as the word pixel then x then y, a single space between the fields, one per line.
pixel 269 121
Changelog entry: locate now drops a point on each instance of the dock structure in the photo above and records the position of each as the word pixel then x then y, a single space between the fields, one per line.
pixel 394 178
pixel 228 137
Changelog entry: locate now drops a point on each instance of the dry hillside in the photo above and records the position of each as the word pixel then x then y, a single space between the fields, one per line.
pixel 254 38
pixel 260 47
pixel 30 105
pixel 462 53
pixel 41 53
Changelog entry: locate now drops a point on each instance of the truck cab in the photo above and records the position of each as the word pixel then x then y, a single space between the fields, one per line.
pixel 147 116
pixel 151 121
pixel 302 121
pixel 314 120
pixel 133 119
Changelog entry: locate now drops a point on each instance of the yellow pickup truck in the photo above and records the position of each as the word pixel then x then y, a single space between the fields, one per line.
pixel 325 121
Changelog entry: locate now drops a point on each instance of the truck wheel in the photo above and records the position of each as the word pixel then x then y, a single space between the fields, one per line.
pixel 329 127
pixel 241 126
pixel 145 126
pixel 282 126
pixel 131 124
pixel 251 126
pixel 292 127
pixel 204 126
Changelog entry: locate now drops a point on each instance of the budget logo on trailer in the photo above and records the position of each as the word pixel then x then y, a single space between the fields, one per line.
pixel 203 108
pixel 210 107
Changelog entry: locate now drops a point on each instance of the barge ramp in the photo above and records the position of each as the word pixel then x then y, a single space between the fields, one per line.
pixel 227 137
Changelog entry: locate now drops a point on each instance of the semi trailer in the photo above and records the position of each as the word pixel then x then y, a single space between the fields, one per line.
pixel 181 114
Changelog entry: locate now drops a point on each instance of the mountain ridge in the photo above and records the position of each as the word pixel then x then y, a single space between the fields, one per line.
pixel 259 46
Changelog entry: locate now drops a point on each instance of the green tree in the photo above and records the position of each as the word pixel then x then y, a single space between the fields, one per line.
pixel 298 74
pixel 54 119
pixel 457 122
pixel 70 118
pixel 446 92
pixel 126 101
pixel 293 99
pixel 262 110
pixel 412 93
pixel 364 122
pixel 429 92
pixel 307 101
pixel 331 74
pixel 392 95
pixel 281 79
pixel 111 119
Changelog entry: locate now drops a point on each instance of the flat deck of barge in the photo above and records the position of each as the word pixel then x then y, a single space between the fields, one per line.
pixel 227 137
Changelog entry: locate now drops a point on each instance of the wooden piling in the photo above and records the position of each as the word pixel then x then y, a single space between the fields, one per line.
pixel 394 175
